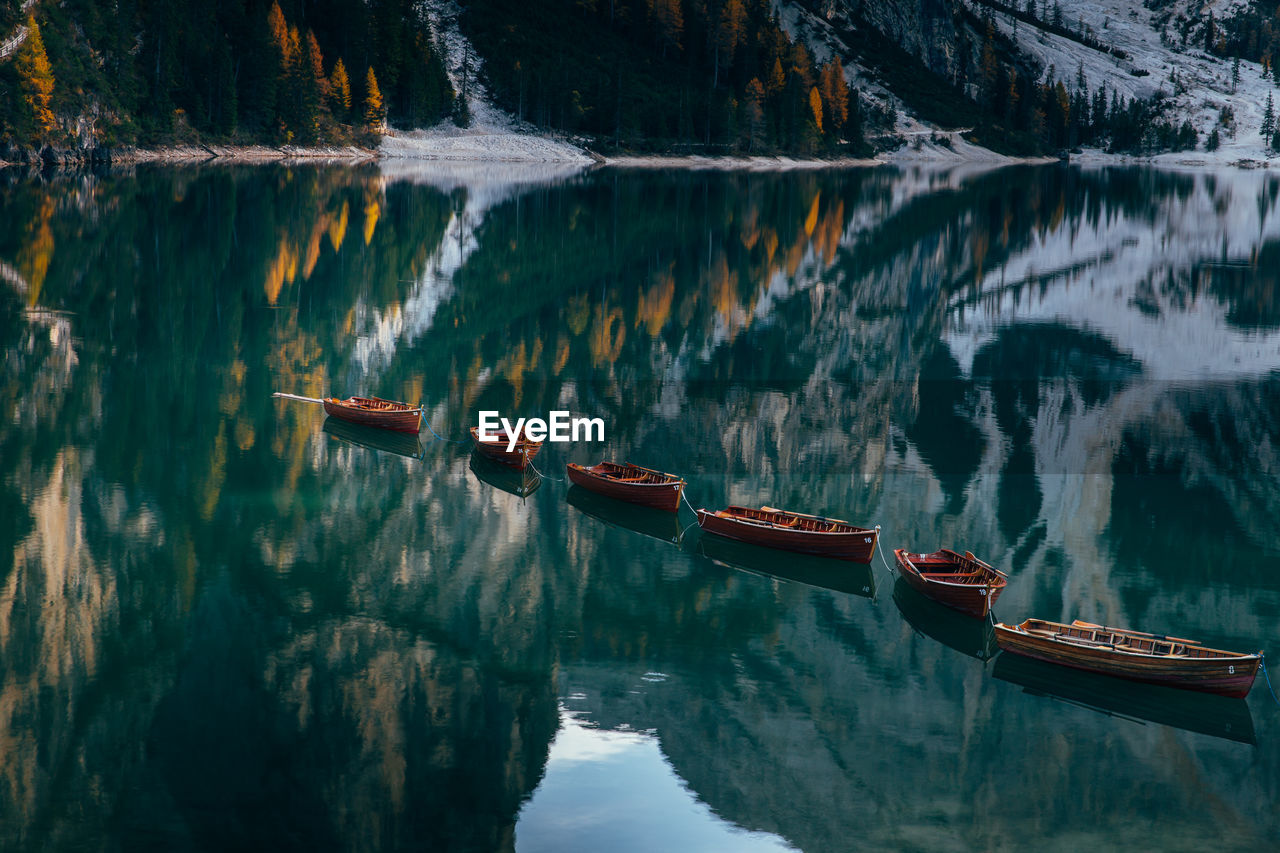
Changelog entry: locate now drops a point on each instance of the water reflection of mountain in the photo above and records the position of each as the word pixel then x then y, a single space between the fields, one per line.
pixel 1003 361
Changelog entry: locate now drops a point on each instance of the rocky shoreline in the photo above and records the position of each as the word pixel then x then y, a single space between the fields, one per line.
pixel 49 157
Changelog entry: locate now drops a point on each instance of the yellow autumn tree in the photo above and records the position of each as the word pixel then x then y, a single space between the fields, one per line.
pixel 340 89
pixel 835 94
pixel 815 104
pixel 35 81
pixel 374 113
pixel 278 29
pixel 777 78
pixel 315 63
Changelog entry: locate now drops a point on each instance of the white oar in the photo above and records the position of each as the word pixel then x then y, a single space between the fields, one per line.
pixel 296 397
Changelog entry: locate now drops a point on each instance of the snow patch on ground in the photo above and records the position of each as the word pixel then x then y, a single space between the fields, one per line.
pixel 734 164
pixel 949 146
pixel 447 142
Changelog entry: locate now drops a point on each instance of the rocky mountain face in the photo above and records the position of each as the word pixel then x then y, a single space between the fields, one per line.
pixel 1199 63
pixel 926 29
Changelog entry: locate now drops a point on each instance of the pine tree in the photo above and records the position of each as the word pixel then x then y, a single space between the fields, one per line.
pixel 374 113
pixel 989 67
pixel 315 64
pixel 1235 74
pixel 35 81
pixel 1268 119
pixel 835 94
pixel 340 90
pixel 729 34
pixel 777 78
pixel 755 113
pixel 670 19
pixel 1213 141
pixel 278 30
pixel 227 105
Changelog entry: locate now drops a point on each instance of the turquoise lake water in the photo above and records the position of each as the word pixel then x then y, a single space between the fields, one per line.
pixel 227 623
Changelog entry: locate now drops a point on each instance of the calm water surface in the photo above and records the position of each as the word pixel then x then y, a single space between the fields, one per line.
pixel 228 624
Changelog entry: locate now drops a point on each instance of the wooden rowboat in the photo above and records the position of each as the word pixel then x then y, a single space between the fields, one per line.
pixel 1137 656
pixel 792 531
pixel 630 483
pixel 368 411
pixel 964 583
pixel 525 449
pixel 376 412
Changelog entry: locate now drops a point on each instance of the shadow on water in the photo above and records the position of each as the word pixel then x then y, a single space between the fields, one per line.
pixel 504 477
pixel 383 440
pixel 646 521
pixel 969 636
pixel 835 575
pixel 1218 716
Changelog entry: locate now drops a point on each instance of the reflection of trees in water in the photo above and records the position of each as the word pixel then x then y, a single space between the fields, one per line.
pixel 362 632
pixel 348 734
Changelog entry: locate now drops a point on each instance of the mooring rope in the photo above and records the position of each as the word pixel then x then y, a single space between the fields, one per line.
pixel 544 476
pixel 422 416
pixel 880 550
pixel 441 437
pixel 693 523
pixel 1268 678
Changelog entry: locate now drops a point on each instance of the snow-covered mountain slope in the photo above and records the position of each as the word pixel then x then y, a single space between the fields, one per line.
pixel 1198 85
pixel 1134 51
pixel 493 134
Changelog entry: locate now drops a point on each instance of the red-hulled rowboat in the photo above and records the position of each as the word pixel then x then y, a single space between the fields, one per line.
pixel 630 483
pixel 368 411
pixel 518 457
pixel 792 531
pixel 1137 656
pixel 964 583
